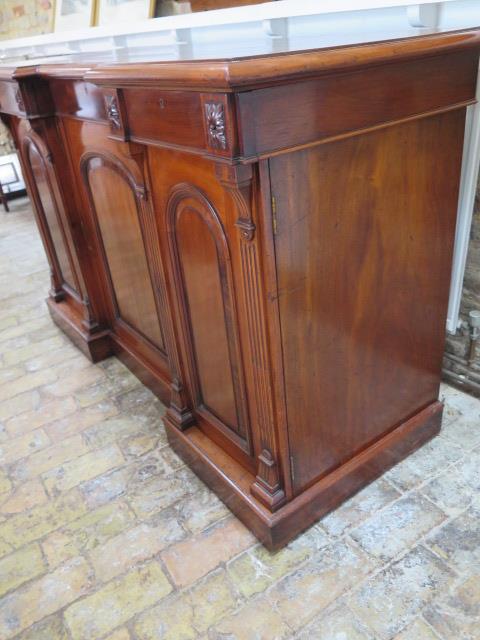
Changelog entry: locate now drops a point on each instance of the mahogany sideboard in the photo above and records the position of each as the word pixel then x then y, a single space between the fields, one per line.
pixel 266 242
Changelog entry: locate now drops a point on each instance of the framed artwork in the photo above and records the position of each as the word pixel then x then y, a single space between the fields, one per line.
pixel 115 11
pixel 73 14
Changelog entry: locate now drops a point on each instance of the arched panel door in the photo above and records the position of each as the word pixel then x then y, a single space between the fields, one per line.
pixel 204 287
pixel 46 207
pixel 115 204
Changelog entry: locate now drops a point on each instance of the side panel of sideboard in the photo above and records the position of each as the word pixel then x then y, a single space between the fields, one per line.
pixel 364 241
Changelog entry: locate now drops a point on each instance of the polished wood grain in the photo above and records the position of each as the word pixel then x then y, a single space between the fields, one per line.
pixel 363 245
pixel 173 117
pixel 120 226
pixel 116 210
pixel 50 185
pixel 203 282
pixel 199 244
pixel 266 242
pixel 44 193
pixel 334 106
pixel 78 99
pixel 244 186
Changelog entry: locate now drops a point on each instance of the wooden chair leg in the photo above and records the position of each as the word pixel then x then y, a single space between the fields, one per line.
pixel 3 198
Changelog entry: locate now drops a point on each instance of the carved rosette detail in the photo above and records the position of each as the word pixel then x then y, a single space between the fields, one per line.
pixel 113 112
pixel 215 117
pixel 19 99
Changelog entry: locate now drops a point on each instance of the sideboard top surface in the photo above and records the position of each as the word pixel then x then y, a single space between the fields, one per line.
pixel 233 73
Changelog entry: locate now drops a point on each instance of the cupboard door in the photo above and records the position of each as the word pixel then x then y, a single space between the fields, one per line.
pixel 46 204
pixel 363 244
pixel 204 284
pixel 115 205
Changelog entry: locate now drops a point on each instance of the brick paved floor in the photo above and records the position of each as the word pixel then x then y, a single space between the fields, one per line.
pixel 104 534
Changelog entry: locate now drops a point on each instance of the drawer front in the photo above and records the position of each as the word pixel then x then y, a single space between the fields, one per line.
pixel 172 117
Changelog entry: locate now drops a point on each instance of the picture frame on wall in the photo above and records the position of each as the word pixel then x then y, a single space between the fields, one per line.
pixel 110 12
pixel 73 14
